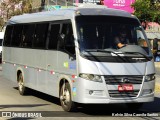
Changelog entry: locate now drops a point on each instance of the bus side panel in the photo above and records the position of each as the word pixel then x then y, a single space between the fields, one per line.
pixel 26 59
pixel 52 84
pixel 9 71
pixel 52 73
pixel 67 67
pixel 66 64
pixel 40 68
pixel 8 66
pixel 30 77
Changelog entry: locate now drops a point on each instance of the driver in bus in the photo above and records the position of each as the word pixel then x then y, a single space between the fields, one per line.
pixel 121 40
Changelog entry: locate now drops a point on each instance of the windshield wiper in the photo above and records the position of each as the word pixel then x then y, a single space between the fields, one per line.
pixel 99 50
pixel 119 52
pixel 145 56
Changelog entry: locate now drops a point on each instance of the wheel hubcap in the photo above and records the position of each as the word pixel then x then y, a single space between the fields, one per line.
pixel 65 97
pixel 20 83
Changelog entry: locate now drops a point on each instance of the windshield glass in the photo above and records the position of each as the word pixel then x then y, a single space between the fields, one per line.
pixel 106 32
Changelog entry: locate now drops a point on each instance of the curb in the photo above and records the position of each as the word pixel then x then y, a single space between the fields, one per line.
pixel 157 88
pixel 157 64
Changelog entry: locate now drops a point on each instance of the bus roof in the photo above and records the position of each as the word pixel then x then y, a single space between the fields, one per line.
pixel 68 13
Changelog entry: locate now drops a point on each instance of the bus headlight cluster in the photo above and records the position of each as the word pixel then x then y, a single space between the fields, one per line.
pixel 91 77
pixel 150 77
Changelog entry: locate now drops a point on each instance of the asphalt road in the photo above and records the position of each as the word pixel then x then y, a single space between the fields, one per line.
pixel 37 105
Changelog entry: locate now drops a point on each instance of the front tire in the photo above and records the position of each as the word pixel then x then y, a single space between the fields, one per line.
pixel 22 89
pixel 66 98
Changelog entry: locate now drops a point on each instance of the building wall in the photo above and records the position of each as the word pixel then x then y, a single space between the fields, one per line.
pixel 120 4
pixel 152 26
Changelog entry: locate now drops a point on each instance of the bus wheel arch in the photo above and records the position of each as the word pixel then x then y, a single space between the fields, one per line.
pixel 21 85
pixel 65 96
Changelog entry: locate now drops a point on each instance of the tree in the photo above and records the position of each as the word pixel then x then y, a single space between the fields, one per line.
pixel 26 6
pixel 1 23
pixel 147 10
pixel 42 5
pixel 9 8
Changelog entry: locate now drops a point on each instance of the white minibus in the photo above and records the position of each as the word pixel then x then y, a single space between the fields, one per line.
pixel 73 54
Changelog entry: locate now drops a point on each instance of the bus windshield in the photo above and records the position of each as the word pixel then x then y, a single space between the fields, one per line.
pixel 105 32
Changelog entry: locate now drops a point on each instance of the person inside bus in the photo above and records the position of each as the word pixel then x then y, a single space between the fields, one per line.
pixel 121 40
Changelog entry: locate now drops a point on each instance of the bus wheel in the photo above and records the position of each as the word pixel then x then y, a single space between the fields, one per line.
pixel 21 87
pixel 134 106
pixel 66 99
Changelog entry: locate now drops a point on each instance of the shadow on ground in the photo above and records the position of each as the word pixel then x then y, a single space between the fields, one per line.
pixel 97 110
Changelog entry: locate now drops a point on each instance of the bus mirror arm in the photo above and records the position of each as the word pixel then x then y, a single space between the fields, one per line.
pixel 72 57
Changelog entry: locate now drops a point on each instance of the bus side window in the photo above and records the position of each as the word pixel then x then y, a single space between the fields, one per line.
pixel 8 35
pixel 16 35
pixel 61 36
pixel 40 36
pixel 53 36
pixel 67 39
pixel 28 35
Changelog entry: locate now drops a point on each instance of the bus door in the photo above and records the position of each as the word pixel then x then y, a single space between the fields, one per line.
pixel 66 50
pixel 39 45
pixel 51 59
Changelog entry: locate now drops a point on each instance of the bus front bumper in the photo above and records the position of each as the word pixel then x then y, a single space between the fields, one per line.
pixel 149 98
pixel 89 92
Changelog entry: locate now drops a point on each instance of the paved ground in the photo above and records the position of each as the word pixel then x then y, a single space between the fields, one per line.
pixel 157 87
pixel 157 64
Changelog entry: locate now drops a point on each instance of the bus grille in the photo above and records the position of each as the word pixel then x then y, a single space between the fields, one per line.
pixel 116 80
pixel 117 94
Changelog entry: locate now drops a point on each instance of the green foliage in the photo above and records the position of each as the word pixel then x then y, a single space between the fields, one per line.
pixel 26 6
pixel 12 8
pixel 146 11
pixel 1 23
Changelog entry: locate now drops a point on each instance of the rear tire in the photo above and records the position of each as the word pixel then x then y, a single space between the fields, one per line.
pixel 22 89
pixel 66 98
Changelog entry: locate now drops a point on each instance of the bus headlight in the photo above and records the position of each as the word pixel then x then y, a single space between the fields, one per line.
pixel 150 77
pixel 91 77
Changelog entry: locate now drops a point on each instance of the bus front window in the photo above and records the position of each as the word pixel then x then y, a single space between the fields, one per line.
pixel 105 32
pixel 91 36
pixel 140 38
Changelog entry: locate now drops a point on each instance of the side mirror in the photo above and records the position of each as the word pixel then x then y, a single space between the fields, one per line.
pixel 72 57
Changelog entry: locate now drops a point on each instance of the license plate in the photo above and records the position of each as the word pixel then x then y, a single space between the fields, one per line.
pixel 126 87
